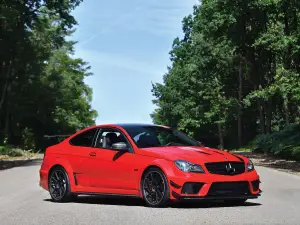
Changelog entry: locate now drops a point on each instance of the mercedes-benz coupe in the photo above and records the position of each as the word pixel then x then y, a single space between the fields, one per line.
pixel 156 163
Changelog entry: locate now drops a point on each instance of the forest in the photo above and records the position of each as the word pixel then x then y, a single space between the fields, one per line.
pixel 234 77
pixel 42 88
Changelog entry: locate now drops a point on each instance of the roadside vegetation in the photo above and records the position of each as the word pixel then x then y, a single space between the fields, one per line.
pixel 42 88
pixel 284 143
pixel 234 80
pixel 7 153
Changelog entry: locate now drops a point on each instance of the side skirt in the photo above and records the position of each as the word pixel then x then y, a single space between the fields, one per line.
pixel 106 194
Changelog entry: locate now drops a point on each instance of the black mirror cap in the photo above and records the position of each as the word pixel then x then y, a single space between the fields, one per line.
pixel 120 146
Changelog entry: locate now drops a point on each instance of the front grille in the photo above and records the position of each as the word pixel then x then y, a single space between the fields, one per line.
pixel 255 185
pixel 191 188
pixel 229 188
pixel 225 168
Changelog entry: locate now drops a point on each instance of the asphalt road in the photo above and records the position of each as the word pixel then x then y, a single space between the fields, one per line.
pixel 22 201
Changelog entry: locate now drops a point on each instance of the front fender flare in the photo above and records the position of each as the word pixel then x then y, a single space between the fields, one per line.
pixel 165 165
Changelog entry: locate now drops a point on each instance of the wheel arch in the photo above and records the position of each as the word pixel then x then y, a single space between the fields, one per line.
pixel 53 167
pixel 67 167
pixel 148 168
pixel 160 164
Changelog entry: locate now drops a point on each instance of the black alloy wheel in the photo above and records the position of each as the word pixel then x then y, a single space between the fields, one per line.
pixel 155 188
pixel 59 185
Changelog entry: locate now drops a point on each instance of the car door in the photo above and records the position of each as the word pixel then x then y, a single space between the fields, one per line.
pixel 115 170
pixel 81 157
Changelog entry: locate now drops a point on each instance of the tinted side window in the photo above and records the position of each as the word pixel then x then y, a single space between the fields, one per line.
pixel 84 139
pixel 108 137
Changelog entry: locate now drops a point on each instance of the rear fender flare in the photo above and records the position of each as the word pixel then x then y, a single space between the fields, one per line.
pixel 67 166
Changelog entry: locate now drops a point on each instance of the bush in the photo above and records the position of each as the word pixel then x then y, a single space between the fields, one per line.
pixel 12 152
pixel 28 139
pixel 284 143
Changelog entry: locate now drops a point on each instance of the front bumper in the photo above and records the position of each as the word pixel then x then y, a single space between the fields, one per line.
pixel 214 198
pixel 192 186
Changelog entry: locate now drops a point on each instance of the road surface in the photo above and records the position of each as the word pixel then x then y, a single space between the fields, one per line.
pixel 22 201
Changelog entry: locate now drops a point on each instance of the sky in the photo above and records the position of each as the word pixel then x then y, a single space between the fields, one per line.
pixel 127 45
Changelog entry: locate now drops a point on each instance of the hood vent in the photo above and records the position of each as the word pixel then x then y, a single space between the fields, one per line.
pixel 205 153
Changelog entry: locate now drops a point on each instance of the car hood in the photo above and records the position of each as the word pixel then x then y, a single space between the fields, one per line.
pixel 195 154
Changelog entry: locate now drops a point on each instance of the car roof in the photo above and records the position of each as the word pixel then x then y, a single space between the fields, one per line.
pixel 124 125
pixel 130 125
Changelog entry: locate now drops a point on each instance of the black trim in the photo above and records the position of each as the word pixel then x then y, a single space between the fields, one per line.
pixel 96 137
pixel 238 157
pixel 105 194
pixel 205 153
pixel 175 185
pixel 255 185
pixel 180 197
pixel 126 125
pixel 75 179
pixel 191 188
pixel 220 168
pixel 217 152
pixel 229 188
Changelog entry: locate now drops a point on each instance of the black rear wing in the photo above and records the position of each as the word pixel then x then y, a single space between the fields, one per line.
pixel 54 139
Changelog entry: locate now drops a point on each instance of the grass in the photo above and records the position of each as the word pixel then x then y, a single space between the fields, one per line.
pixel 8 153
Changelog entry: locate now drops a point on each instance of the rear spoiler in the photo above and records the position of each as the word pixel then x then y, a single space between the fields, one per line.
pixel 53 136
pixel 54 139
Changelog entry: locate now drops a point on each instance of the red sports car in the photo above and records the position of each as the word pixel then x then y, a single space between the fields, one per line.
pixel 155 163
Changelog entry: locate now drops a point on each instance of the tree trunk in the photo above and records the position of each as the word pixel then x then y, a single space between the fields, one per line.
pixel 269 115
pixel 7 107
pixel 4 90
pixel 6 123
pixel 261 116
pixel 286 110
pixel 221 138
pixel 240 113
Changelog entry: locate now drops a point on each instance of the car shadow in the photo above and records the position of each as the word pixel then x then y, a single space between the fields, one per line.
pixel 190 205
pixel 127 201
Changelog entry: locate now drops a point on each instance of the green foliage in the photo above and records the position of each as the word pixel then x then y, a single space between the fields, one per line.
pixel 42 84
pixel 235 74
pixel 284 143
pixel 28 138
pixel 12 152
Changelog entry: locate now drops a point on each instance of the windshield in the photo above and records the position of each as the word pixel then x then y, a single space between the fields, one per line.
pixel 156 136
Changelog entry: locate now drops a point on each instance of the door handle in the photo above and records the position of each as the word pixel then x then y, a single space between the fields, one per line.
pixel 92 153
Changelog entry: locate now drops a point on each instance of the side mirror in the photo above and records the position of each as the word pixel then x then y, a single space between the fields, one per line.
pixel 200 143
pixel 120 146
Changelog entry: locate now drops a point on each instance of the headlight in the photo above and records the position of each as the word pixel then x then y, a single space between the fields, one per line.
pixel 188 167
pixel 250 166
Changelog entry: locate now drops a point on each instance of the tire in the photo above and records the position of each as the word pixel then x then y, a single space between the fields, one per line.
pixel 236 202
pixel 59 185
pixel 161 191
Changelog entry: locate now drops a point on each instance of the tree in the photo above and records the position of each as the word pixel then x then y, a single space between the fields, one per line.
pixel 42 84
pixel 235 73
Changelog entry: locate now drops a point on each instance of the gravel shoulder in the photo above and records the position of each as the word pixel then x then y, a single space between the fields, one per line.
pixel 273 162
pixel 10 162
